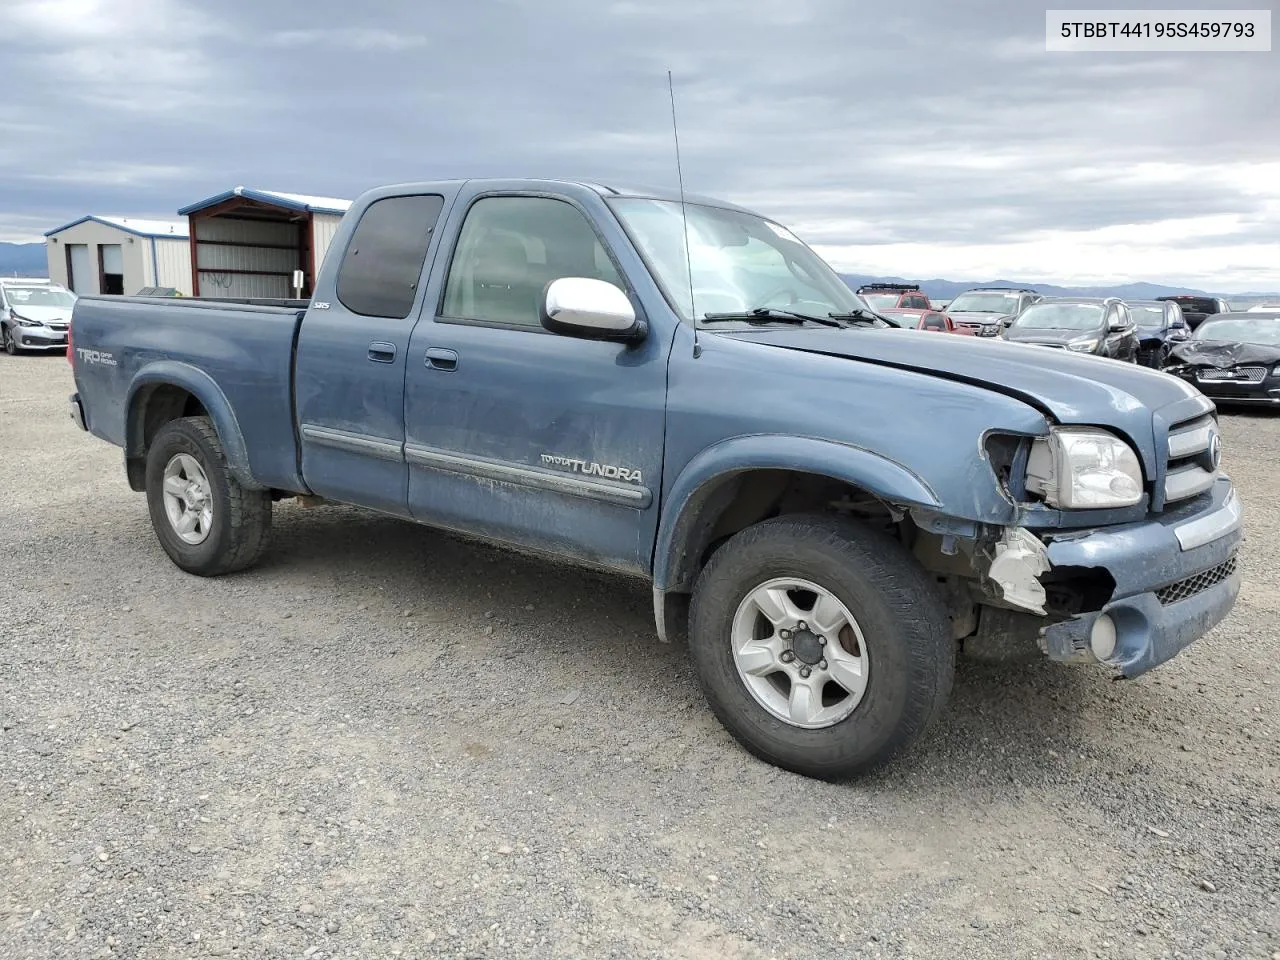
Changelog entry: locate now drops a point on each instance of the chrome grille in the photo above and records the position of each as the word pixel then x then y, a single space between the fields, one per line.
pixel 1192 464
pixel 1238 374
pixel 1185 589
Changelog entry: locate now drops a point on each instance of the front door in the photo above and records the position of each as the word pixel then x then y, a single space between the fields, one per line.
pixel 351 357
pixel 529 437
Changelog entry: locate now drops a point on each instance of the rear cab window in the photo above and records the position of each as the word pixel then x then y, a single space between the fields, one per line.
pixel 383 263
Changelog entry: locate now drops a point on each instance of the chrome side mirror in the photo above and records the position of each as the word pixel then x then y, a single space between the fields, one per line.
pixel 591 309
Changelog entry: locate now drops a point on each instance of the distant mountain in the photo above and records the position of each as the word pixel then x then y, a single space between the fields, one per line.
pixel 23 260
pixel 938 289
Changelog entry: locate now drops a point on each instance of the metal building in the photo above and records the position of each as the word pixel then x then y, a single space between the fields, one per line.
pixel 253 243
pixel 119 255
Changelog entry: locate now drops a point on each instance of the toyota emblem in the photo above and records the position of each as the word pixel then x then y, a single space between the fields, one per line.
pixel 1215 450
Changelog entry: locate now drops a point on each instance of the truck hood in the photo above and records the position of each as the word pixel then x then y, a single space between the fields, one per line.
pixel 1070 388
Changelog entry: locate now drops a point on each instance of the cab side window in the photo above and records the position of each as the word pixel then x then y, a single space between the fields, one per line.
pixel 509 249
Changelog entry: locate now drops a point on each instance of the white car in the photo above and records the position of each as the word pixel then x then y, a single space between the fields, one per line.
pixel 1264 308
pixel 34 314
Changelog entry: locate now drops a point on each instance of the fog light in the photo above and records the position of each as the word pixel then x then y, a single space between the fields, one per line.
pixel 1102 638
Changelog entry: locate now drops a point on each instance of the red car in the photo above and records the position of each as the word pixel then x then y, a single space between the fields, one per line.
pixel 894 296
pixel 930 321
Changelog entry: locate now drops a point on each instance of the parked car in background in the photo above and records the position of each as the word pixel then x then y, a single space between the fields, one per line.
pixel 1264 308
pixel 34 314
pixel 890 296
pixel 1097 325
pixel 528 363
pixel 984 311
pixel 1233 359
pixel 931 321
pixel 1195 309
pixel 1160 325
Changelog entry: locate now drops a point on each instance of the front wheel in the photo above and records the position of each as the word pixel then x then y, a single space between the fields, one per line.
pixel 205 520
pixel 10 344
pixel 821 645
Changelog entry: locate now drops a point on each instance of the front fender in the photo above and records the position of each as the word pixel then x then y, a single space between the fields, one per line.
pixel 199 384
pixel 706 472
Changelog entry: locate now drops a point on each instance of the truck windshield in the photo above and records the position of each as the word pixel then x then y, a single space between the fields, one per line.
pixel 740 262
pixel 984 303
pixel 881 301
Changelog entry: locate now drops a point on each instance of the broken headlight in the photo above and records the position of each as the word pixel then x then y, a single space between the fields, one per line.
pixel 1082 469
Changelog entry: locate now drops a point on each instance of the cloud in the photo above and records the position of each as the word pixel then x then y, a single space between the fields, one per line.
pixel 913 137
pixel 353 38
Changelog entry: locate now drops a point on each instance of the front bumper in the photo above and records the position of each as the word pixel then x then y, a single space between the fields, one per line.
pixel 1265 391
pixel 39 338
pixel 1174 581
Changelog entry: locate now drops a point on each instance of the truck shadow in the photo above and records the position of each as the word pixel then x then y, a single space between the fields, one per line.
pixel 1006 723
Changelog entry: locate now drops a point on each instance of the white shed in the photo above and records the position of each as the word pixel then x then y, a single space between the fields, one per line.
pixel 250 243
pixel 119 255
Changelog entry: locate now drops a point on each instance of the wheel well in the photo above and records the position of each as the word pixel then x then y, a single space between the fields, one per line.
pixel 153 407
pixel 736 502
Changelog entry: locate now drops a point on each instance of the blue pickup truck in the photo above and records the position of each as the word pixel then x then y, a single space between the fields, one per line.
pixel 828 508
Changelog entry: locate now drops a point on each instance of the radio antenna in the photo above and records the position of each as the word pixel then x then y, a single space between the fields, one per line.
pixel 684 216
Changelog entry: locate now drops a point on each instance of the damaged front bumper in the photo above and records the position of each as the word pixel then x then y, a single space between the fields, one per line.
pixel 1175 579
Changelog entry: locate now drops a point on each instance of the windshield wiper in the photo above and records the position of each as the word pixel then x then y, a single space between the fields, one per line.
pixel 766 314
pixel 858 315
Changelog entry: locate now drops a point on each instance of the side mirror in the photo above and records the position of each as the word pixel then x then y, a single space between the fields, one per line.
pixel 590 309
pixel 1007 322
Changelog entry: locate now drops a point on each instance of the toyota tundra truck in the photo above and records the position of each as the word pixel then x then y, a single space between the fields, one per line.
pixel 677 389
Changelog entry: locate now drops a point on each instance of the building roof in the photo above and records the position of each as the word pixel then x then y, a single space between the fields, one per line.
pixel 290 201
pixel 162 229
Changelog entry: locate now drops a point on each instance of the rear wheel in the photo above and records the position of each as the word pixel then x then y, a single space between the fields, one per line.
pixel 821 645
pixel 205 520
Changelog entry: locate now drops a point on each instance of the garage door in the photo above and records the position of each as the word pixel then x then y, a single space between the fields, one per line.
pixel 112 269
pixel 80 269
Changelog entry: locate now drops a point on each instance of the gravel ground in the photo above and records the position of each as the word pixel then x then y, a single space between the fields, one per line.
pixel 384 742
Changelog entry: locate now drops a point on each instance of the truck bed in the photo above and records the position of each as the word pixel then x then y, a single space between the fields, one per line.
pixel 123 346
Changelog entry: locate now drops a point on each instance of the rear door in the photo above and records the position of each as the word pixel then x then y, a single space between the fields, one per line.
pixel 519 434
pixel 350 360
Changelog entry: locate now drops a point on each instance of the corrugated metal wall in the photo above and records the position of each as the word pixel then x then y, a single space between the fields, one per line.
pixel 323 227
pixel 173 263
pixel 273 265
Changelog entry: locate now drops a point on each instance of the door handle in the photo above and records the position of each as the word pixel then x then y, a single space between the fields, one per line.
pixel 381 352
pixel 438 358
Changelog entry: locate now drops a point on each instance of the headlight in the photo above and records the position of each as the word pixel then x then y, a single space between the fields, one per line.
pixel 1080 469
pixel 24 322
pixel 1084 346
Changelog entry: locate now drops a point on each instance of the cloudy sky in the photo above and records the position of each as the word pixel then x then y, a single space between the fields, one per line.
pixel 915 137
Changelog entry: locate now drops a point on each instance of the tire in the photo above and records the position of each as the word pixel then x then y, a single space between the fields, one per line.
pixel 905 639
pixel 10 343
pixel 239 520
